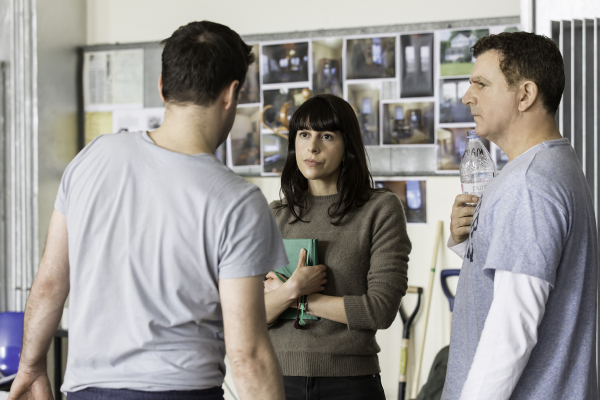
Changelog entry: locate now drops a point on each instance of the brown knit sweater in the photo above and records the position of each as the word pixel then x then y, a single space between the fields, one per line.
pixel 367 261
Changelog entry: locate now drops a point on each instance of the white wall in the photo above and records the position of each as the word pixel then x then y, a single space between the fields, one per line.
pixel 127 21
pixel 123 21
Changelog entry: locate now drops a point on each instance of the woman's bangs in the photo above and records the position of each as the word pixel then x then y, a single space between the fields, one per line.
pixel 316 115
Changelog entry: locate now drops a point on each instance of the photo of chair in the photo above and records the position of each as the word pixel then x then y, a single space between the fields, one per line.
pixel 408 123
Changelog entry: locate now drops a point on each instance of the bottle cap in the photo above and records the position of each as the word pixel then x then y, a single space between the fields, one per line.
pixel 471 134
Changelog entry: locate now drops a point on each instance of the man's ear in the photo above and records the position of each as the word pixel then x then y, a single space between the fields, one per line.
pixel 230 95
pixel 160 86
pixel 527 94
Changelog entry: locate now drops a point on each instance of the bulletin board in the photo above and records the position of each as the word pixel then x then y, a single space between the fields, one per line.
pixel 405 83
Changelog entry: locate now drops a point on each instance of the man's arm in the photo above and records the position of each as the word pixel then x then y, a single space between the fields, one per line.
pixel 256 372
pixel 509 335
pixel 43 313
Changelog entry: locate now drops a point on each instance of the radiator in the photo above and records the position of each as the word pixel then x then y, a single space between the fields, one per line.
pixel 577 118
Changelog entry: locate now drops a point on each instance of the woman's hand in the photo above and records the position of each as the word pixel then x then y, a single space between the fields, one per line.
pixel 272 282
pixel 307 280
pixel 304 280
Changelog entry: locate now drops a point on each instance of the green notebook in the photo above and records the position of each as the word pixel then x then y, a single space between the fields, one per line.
pixel 292 249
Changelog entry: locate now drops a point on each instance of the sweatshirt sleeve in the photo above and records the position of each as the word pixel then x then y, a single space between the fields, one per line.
pixel 459 249
pixel 509 336
pixel 387 278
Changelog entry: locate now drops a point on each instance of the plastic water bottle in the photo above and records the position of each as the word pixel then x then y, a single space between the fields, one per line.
pixel 477 168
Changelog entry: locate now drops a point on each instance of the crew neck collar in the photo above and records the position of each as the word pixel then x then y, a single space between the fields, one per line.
pixel 321 199
pixel 146 138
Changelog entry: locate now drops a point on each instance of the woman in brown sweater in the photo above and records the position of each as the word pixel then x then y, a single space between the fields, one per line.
pixel 328 195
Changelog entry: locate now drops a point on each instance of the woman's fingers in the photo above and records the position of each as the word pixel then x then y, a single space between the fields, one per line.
pixel 271 275
pixel 302 258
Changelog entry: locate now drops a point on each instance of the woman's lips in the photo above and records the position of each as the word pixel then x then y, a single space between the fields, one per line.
pixel 311 163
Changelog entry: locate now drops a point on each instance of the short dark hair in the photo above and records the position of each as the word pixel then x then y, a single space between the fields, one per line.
pixel 527 56
pixel 200 59
pixel 326 112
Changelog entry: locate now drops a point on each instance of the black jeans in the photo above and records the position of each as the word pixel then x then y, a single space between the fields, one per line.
pixel 365 387
pixel 215 393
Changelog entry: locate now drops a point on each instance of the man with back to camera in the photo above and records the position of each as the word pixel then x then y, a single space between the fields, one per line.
pixel 525 313
pixel 165 253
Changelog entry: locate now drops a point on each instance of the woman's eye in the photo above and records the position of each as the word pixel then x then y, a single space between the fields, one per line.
pixel 327 137
pixel 482 85
pixel 303 134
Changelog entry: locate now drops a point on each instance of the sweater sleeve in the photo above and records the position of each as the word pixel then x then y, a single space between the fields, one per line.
pixel 387 278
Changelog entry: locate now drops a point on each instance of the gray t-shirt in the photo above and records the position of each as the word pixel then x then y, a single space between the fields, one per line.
pixel 535 218
pixel 151 232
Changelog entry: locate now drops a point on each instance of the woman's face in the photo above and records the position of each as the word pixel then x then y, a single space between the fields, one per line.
pixel 319 154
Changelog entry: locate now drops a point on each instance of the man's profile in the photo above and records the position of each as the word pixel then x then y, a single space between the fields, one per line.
pixel 525 313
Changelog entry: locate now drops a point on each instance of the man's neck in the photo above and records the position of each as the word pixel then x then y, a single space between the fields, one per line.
pixel 188 130
pixel 523 136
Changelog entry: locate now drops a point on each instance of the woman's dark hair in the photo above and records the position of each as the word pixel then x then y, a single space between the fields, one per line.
pixel 200 59
pixel 328 113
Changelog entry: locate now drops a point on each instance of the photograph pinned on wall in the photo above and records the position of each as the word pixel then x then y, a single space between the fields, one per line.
pixel 416 55
pixel 370 58
pixel 281 100
pixel 275 148
pixel 412 194
pixel 283 63
pixel 113 78
pixel 452 143
pixel 364 98
pixel 250 92
pixel 244 138
pixel 327 66
pixel 452 109
pixel 456 58
pixel 408 123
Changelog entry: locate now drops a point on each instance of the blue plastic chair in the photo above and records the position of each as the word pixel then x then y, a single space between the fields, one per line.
pixel 11 338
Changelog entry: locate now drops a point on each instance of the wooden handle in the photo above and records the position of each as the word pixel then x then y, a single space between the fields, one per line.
pixel 436 243
pixel 413 289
